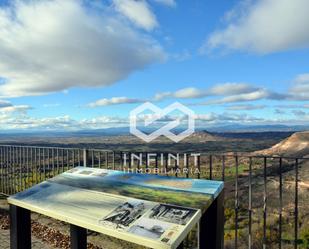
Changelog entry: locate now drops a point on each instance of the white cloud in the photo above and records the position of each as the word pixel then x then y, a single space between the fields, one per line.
pixel 264 26
pixel 170 3
pixel 15 108
pixel 50 46
pixel 232 88
pixel 241 90
pixel 245 107
pixel 256 95
pixel 300 88
pixel 4 103
pixel 188 93
pixel 114 101
pixel 138 12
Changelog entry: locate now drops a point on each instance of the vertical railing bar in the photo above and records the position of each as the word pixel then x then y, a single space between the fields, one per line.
pixel 39 165
pixel 6 186
pixel 11 188
pixel 280 203
pixel 296 206
pixel 210 167
pixel 223 168
pixel 62 160
pixel 7 181
pixel 27 165
pixel 20 168
pixel 107 162
pixel 236 202
pixel 79 158
pixel 250 203
pixel 187 166
pixel 73 158
pixel 31 166
pixel 100 159
pixel 92 158
pixel 265 203
pixel 44 165
pixel 57 152
pixel 199 166
pixel 166 164
pixel 48 162
pixel 53 162
pixel 36 165
pixel 2 171
pixel 113 160
pixel 68 161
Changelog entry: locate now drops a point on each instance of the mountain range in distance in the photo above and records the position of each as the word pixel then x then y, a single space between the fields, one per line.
pixel 116 131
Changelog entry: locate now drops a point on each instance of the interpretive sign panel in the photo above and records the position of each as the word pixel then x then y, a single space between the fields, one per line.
pixel 154 211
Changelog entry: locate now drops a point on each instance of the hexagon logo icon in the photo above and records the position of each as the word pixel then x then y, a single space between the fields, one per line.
pixel 158 114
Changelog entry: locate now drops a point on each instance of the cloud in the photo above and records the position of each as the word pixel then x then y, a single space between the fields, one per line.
pixel 114 101
pixel 264 26
pixel 15 108
pixel 279 111
pixel 232 88
pixel 138 12
pixel 170 3
pixel 45 48
pixel 217 90
pixel 4 104
pixel 300 88
pixel 252 96
pixel 230 92
pixel 299 113
pixel 245 107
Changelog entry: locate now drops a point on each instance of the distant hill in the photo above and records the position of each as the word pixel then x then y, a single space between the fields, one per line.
pixel 295 145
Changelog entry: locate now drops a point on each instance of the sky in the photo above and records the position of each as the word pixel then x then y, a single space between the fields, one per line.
pixel 74 64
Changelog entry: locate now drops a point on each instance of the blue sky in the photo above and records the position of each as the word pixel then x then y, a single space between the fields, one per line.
pixel 87 64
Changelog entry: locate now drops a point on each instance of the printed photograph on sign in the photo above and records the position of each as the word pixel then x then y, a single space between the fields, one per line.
pixel 124 215
pixel 173 214
pixel 149 228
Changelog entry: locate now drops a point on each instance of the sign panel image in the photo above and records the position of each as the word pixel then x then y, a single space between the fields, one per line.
pixel 102 201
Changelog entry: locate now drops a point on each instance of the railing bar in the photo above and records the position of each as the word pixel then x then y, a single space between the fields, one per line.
pixel 2 172
pixel 62 161
pixel 280 203
pixel 20 169
pixel 79 158
pixel 7 186
pixel 199 166
pixel 113 160
pixel 53 162
pixel 57 152
pixel 99 159
pixel 44 164
pixel 210 167
pixel 265 203
pixel 92 158
pixel 236 202
pixel 223 168
pixel 107 162
pixel 187 166
pixel 36 165
pixel 73 157
pixel 296 206
pixel 166 164
pixel 27 159
pixel 68 161
pixel 250 203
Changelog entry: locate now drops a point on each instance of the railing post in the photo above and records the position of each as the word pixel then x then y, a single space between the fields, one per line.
pixel 86 157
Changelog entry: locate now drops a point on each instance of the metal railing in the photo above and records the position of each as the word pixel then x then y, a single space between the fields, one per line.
pixel 265 207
